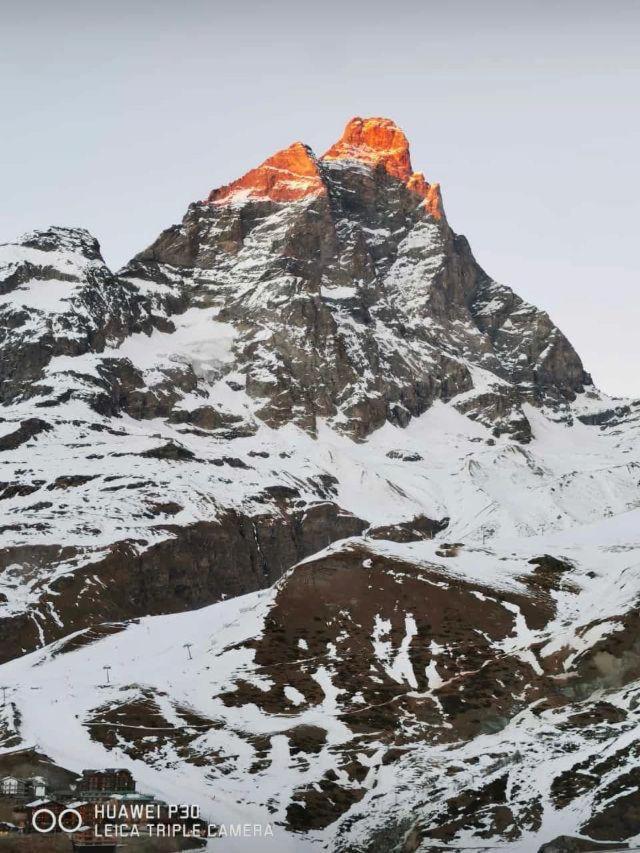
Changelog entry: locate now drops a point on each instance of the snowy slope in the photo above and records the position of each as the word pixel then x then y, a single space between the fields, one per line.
pixel 253 762
pixel 570 494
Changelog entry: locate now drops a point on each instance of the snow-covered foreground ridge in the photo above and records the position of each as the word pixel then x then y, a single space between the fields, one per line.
pixel 375 491
pixel 381 671
pixel 396 707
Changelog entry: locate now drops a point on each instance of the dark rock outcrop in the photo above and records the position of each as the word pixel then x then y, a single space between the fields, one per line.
pixel 193 567
pixel 31 428
pixel 62 300
pixel 569 844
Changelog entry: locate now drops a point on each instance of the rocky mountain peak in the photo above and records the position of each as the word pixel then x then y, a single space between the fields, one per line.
pixel 289 175
pixel 374 141
pixel 379 142
pixel 56 238
pixel 351 298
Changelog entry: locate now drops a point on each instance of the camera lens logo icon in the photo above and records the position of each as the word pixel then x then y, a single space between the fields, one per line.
pixel 45 820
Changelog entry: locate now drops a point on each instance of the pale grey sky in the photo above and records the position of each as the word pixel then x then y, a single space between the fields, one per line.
pixel 115 115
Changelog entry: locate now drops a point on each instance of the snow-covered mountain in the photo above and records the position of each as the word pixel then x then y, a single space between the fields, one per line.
pixel 374 490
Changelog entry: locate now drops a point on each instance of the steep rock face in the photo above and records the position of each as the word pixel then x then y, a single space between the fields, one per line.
pixel 353 298
pixel 532 353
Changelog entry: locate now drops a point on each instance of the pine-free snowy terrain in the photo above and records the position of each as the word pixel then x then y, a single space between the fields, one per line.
pixel 375 492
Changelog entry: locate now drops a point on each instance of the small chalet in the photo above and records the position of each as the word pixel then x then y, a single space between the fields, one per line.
pixel 7 828
pixel 113 780
pixel 11 786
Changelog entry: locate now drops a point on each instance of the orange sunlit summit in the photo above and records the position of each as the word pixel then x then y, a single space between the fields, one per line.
pixel 293 173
